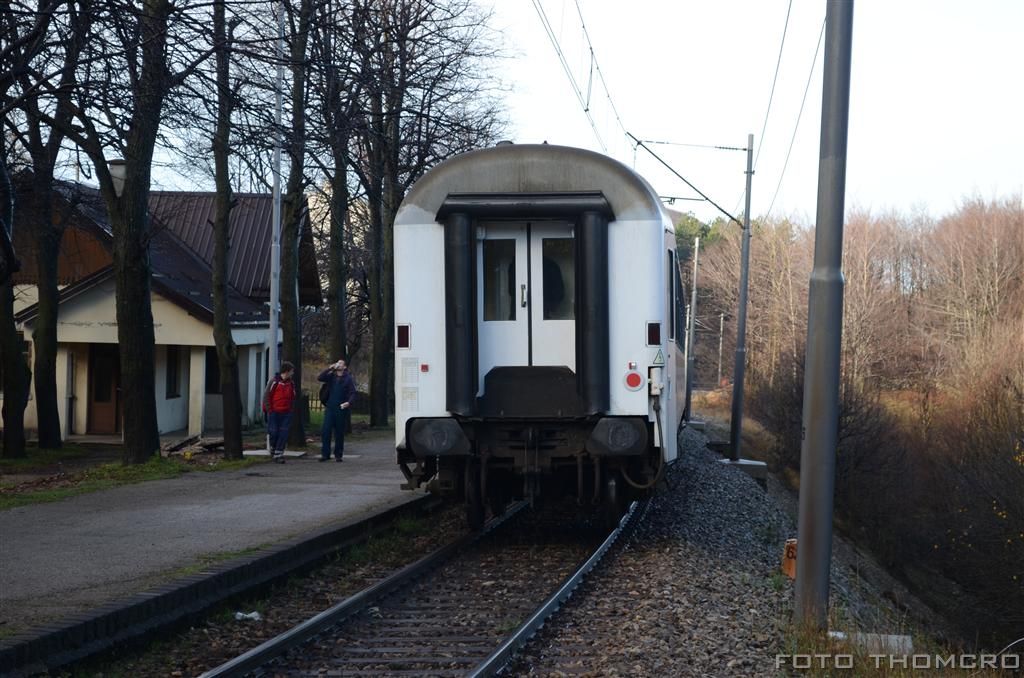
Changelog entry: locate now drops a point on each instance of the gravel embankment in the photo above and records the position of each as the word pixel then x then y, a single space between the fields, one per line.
pixel 696 591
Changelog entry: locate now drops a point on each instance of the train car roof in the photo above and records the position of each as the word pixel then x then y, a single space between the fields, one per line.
pixel 532 168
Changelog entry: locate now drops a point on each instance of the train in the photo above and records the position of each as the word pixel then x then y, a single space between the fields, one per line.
pixel 538 333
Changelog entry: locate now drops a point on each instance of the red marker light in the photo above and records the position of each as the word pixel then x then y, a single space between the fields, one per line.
pixel 634 380
pixel 424 367
pixel 653 334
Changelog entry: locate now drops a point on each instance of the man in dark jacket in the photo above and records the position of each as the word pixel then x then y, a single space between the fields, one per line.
pixel 341 393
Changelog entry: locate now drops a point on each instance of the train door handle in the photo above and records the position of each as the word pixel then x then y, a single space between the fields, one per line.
pixel 522 298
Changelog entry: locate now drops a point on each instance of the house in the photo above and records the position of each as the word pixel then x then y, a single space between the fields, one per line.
pixel 181 251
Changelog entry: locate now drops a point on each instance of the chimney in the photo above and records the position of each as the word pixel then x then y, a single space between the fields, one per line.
pixel 117 174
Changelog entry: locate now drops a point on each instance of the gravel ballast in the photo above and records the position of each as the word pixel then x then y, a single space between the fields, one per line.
pixel 696 590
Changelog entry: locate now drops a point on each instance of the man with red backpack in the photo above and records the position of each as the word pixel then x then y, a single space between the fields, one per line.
pixel 278 399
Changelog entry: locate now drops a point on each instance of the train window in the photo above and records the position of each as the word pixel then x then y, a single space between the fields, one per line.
pixel 499 279
pixel 679 314
pixel 559 279
pixel 671 293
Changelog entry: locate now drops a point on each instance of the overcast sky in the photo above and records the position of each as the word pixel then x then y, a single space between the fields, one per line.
pixel 936 104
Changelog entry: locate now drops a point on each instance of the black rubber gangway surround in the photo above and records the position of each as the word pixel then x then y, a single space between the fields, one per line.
pixel 591 214
pixel 460 314
pixel 530 393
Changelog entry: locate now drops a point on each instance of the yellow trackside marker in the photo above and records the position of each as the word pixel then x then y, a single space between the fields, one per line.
pixel 659 359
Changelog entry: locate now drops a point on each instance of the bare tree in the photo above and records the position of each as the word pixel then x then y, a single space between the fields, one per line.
pixel 294 200
pixel 133 56
pixel 44 87
pixel 227 351
pixel 25 34
pixel 426 99
pixel 15 368
pixel 338 80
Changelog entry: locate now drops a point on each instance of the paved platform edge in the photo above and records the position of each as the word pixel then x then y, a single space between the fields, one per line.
pixel 94 631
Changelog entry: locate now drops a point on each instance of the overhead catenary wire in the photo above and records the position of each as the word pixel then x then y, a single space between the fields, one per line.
pixel 683 179
pixel 771 95
pixel 679 143
pixel 597 67
pixel 585 101
pixel 775 79
pixel 568 71
pixel 807 87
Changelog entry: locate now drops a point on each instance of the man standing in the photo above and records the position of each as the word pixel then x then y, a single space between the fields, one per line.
pixel 341 393
pixel 277 403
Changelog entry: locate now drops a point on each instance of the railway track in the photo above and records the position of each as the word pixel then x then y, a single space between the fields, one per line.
pixel 460 611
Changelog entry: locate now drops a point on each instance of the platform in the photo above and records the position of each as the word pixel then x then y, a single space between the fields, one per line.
pixel 62 558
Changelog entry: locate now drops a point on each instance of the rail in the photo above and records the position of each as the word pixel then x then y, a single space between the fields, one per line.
pixel 359 603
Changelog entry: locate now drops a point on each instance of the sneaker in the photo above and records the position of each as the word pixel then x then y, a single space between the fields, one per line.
pixel 323 459
pixel 279 458
pixel 339 460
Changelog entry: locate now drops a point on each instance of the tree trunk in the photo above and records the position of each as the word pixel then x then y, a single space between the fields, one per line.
pixel 44 333
pixel 136 337
pixel 227 351
pixel 15 370
pixel 129 219
pixel 337 271
pixel 293 212
pixel 15 378
pixel 380 347
pixel 291 331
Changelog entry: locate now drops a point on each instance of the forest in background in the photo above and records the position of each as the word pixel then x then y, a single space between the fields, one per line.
pixel 930 463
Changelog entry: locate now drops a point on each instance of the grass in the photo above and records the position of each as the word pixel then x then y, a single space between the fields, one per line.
pixel 380 546
pixel 36 458
pixel 106 476
pixel 820 655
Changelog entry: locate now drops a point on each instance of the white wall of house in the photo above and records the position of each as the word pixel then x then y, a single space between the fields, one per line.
pixel 24 296
pixel 171 406
pixel 91 318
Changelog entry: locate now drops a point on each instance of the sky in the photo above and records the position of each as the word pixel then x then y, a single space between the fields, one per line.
pixel 936 101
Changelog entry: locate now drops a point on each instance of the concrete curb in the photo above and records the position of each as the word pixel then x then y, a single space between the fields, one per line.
pixel 94 631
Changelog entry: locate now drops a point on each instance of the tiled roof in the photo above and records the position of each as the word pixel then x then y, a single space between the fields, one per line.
pixel 181 249
pixel 190 217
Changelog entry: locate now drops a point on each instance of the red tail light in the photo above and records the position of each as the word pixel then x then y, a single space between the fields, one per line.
pixel 403 339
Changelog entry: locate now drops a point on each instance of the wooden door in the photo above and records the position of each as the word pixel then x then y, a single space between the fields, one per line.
pixel 104 391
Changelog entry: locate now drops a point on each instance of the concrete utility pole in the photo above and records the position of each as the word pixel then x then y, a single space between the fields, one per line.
pixel 275 246
pixel 721 331
pixel 736 423
pixel 824 329
pixel 691 324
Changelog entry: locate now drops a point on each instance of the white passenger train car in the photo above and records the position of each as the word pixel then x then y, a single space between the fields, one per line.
pixel 538 330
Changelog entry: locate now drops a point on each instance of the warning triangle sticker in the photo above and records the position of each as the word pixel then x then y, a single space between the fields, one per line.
pixel 659 359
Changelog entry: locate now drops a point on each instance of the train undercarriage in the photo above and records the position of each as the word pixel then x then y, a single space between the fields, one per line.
pixel 486 464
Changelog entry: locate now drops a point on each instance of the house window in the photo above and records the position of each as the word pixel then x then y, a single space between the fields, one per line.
pixel 173 372
pixel 212 371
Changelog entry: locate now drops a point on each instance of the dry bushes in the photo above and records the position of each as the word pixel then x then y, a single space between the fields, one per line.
pixel 930 460
pixel 937 494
